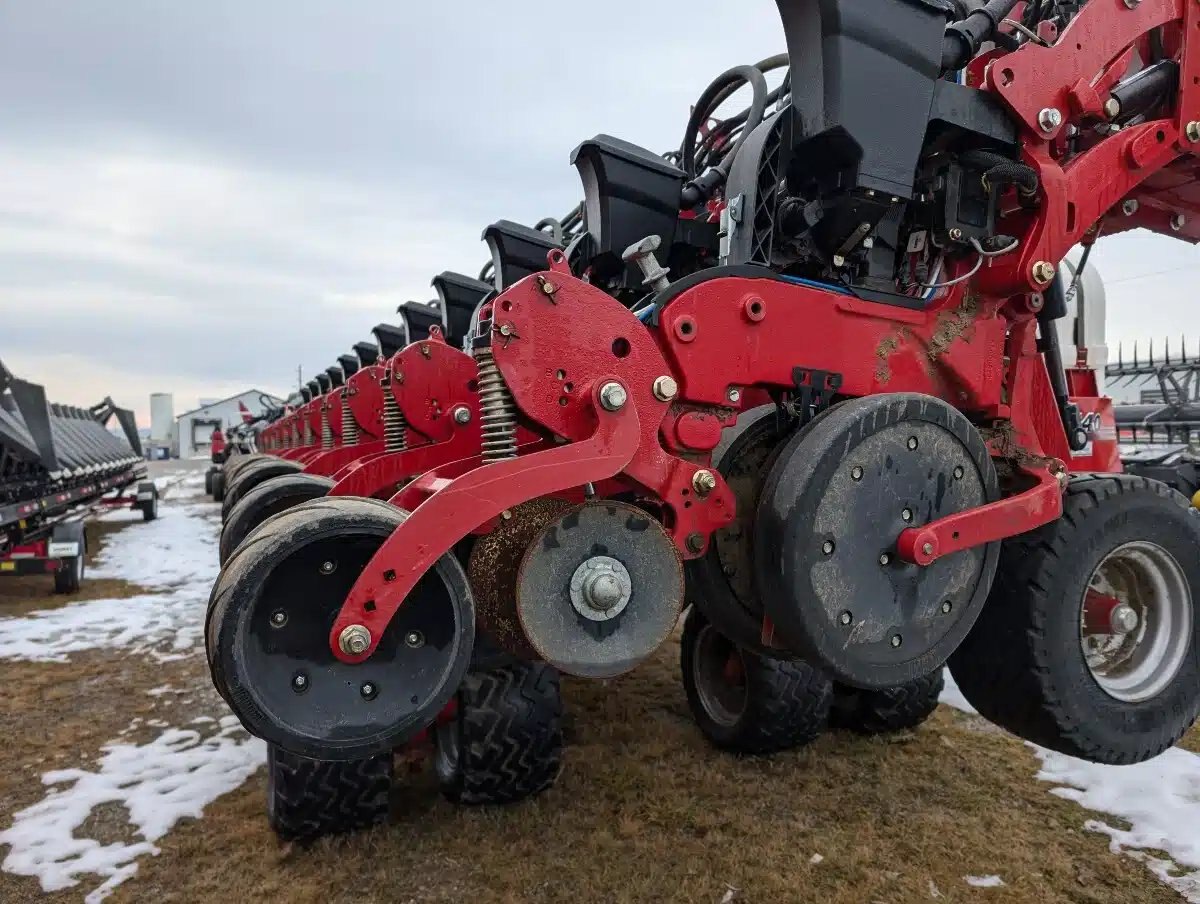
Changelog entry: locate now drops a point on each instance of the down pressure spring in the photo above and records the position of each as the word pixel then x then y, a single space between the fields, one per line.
pixel 349 425
pixel 395 427
pixel 498 419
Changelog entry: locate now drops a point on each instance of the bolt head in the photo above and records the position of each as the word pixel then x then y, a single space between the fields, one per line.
pixel 354 640
pixel 613 396
pixel 946 607
pixel 328 567
pixel 704 482
pixel 462 415
pixel 846 618
pixel 912 443
pixel 1129 207
pixel 695 542
pixel 856 473
pixel 906 515
pixel 367 690
pixel 1112 108
pixel 897 640
pixel 279 619
pixel 1124 619
pixel 927 549
pixel 1050 119
pixel 956 234
pixel 299 681
pixel 885 559
pixel 828 547
pixel 665 389
pixel 959 472
pixel 505 329
pixel 1192 131
pixel 734 396
pixel 1043 272
pixel 414 639
pixel 1178 222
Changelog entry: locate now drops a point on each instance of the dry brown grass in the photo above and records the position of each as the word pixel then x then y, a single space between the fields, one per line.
pixel 647 811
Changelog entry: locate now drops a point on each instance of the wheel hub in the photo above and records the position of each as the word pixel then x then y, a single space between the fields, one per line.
pixel 601 588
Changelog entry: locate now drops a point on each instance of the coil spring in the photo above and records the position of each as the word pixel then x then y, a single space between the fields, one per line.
pixel 308 434
pixel 395 427
pixel 326 430
pixel 498 411
pixel 349 425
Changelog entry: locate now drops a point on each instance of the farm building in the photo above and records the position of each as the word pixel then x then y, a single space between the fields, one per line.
pixel 194 428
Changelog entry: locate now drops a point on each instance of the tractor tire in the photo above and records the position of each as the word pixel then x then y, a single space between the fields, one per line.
pixel 69 577
pixel 269 498
pixel 1029 665
pixel 218 486
pixel 309 799
pixel 252 475
pixel 504 743
pixel 900 708
pixel 769 706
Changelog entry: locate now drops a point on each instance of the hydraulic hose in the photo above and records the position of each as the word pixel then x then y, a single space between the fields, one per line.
pixel 700 188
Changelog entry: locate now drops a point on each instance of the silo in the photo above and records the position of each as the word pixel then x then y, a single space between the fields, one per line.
pixel 162 418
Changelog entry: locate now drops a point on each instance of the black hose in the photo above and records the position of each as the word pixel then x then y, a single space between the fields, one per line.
pixel 706 104
pixel 1001 170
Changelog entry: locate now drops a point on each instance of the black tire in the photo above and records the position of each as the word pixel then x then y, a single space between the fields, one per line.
pixel 780 704
pixel 309 799
pixel 1023 665
pixel 269 498
pixel 208 480
pixel 69 577
pixel 218 486
pixel 235 463
pixel 252 475
pixel 504 743
pixel 149 506
pixel 900 708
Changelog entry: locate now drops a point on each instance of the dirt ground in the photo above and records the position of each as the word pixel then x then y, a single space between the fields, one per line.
pixel 644 811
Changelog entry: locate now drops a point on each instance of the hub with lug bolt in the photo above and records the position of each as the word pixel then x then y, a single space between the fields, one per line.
pixel 613 396
pixel 601 588
pixel 665 389
pixel 354 640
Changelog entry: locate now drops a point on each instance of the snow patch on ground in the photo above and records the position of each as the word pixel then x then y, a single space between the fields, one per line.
pixel 984 881
pixel 174 776
pixel 175 553
pixel 1159 800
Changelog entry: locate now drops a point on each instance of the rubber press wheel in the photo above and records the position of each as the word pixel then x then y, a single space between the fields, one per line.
pixel 310 799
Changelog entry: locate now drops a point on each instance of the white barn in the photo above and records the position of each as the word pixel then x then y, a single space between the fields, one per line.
pixel 193 429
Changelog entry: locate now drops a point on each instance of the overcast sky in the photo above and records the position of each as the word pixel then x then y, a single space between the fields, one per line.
pixel 198 197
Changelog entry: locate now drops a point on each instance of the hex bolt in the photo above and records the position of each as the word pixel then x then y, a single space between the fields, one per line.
pixel 734 396
pixel 1043 272
pixel 906 515
pixel 1112 108
pixel 354 640
pixel 946 607
pixel 927 549
pixel 1050 119
pixel 695 542
pixel 1132 4
pixel 1192 131
pixel 856 473
pixel 885 559
pixel 846 618
pixel 328 567
pixel 1129 207
pixel 462 415
pixel 959 472
pixel 828 547
pixel 1178 222
pixel 897 640
pixel 367 690
pixel 414 639
pixel 278 619
pixel 299 682
pixel 704 482
pixel 613 396
pixel 665 388
pixel 912 444
pixel 505 329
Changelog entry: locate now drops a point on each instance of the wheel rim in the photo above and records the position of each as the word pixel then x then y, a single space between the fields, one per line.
pixel 719 674
pixel 1136 662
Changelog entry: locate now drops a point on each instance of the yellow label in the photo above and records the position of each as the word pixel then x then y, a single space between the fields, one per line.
pixel 8 566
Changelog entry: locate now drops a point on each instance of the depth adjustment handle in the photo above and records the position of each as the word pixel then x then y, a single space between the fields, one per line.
pixel 642 254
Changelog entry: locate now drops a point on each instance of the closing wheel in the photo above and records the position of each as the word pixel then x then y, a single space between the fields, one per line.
pixel 268 498
pixel 745 702
pixel 1090 641
pixel 218 486
pixel 504 742
pixel 599 589
pixel 208 479
pixel 237 462
pixel 252 475
pixel 900 708
pixel 267 635
pixel 309 799
pixel 834 503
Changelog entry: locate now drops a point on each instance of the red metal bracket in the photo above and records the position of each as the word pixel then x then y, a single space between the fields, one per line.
pixel 458 506
pixel 999 520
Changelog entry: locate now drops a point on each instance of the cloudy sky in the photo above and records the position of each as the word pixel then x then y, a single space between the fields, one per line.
pixel 199 197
